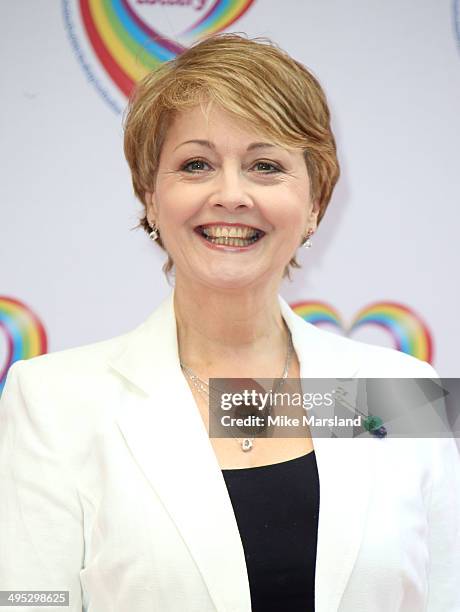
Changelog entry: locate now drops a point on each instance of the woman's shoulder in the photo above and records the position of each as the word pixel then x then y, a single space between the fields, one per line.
pixel 93 359
pixel 69 373
pixel 83 357
pixel 64 396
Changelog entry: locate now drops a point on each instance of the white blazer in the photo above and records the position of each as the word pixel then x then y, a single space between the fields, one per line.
pixel 109 487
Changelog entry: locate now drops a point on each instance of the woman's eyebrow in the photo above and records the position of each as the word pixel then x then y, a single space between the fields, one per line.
pixel 210 145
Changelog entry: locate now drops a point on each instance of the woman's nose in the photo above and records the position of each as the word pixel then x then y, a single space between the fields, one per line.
pixel 231 189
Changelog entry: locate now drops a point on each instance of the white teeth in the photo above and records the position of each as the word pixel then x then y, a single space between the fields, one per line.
pixel 226 241
pixel 230 232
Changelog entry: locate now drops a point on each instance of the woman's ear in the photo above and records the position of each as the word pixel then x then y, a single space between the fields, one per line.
pixel 150 205
pixel 313 221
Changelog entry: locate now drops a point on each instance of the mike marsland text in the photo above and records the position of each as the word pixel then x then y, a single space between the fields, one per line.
pixel 286 421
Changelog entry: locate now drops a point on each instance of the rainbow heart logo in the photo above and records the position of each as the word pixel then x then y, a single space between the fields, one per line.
pixel 125 39
pixel 408 332
pixel 24 333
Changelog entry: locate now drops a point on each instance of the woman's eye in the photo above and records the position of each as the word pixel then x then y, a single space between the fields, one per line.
pixel 193 162
pixel 274 167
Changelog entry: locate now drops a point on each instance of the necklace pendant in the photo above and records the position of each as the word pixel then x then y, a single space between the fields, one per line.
pixel 246 445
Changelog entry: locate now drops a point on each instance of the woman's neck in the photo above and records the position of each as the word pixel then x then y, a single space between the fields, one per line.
pixel 230 333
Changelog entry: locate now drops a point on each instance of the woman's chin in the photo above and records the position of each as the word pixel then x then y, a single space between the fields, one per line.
pixel 232 274
pixel 231 277
pixel 230 282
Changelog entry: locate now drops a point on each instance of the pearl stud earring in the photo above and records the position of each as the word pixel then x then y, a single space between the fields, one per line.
pixel 307 242
pixel 154 233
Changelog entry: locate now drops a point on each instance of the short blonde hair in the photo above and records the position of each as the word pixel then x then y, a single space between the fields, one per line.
pixel 256 81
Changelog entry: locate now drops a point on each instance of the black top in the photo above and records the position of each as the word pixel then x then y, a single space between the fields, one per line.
pixel 276 507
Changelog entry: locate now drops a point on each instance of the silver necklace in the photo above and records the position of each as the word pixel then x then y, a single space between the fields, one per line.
pixel 204 388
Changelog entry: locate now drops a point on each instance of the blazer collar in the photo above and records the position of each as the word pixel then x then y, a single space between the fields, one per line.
pixel 163 428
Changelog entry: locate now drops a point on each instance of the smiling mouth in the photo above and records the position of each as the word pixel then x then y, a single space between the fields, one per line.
pixel 230 236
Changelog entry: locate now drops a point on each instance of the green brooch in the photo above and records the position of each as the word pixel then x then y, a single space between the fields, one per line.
pixel 374 425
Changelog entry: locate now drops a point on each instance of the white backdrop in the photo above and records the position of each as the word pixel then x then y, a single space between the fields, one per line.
pixel 391 71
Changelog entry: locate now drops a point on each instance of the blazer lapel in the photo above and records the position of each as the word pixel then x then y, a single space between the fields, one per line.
pixel 166 435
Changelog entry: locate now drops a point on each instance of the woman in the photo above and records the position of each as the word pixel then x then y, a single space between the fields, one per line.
pixel 111 487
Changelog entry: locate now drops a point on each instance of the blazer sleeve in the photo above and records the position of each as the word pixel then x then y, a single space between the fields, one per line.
pixel 444 528
pixel 41 527
pixel 443 522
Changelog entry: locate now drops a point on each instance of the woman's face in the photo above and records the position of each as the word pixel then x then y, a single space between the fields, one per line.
pixel 217 172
